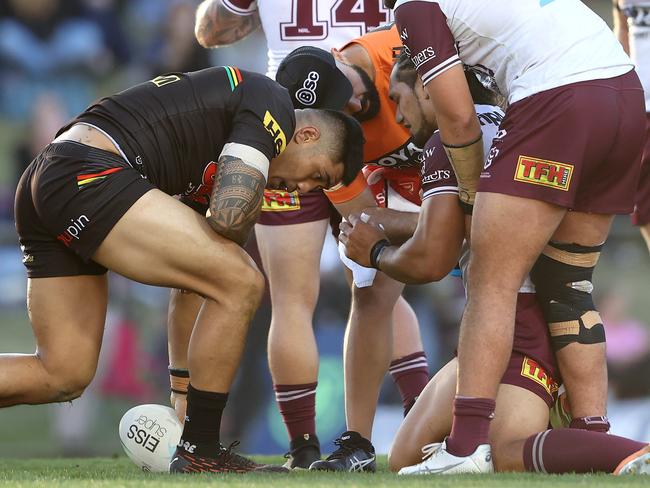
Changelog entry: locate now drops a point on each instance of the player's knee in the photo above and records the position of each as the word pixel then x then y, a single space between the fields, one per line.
pixel 502 456
pixel 65 386
pixel 563 280
pixel 245 281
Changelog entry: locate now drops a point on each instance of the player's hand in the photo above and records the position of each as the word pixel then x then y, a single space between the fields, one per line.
pixel 359 235
pixel 179 403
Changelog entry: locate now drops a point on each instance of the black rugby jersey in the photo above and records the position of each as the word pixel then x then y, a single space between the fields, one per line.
pixel 173 128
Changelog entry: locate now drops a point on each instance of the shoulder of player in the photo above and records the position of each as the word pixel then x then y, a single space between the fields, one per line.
pixel 358 55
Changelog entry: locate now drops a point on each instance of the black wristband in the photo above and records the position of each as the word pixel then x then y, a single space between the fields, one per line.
pixel 179 372
pixel 376 251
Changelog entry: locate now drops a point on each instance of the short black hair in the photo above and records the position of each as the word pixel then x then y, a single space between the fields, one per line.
pixel 389 3
pixel 349 135
pixel 406 73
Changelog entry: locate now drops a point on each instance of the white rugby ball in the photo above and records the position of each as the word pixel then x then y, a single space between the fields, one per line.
pixel 149 435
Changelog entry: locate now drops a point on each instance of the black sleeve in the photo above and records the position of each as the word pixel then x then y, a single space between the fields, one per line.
pixel 264 118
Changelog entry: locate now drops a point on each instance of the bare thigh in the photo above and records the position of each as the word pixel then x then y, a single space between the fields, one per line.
pixel 159 241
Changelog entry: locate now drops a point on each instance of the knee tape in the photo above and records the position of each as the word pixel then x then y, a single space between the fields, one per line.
pixel 563 280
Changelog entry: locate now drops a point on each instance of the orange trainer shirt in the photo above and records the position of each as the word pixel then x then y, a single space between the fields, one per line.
pixel 388 144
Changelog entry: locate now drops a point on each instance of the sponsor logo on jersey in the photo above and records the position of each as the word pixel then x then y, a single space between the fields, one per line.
pixel 404 35
pixel 280 201
pixel 544 173
pixel 493 118
pixel 532 370
pixel 203 192
pixel 423 56
pixel 307 94
pixel 437 175
pixel 407 155
pixel 73 230
pixel 273 128
pixel 165 80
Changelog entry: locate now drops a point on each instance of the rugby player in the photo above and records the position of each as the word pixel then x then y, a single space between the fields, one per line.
pixel 554 152
pixel 98 198
pixel 528 388
pixel 364 65
pixel 632 27
pixel 294 277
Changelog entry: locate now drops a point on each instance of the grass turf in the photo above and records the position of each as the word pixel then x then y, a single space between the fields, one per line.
pixel 99 472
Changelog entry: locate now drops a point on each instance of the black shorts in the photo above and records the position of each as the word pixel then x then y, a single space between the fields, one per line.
pixel 67 201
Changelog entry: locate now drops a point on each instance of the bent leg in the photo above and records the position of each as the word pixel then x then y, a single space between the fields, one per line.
pixel 508 235
pixel 160 241
pixel 583 363
pixel 501 256
pixel 428 421
pixel 408 368
pixel 519 414
pixel 367 350
pixel 67 315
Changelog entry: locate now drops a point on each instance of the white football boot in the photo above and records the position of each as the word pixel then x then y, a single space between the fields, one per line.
pixel 436 460
pixel 637 463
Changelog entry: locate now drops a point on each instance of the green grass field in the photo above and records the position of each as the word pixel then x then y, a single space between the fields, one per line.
pixel 120 472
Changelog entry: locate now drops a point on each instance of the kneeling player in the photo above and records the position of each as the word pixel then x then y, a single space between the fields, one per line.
pixel 518 436
pixel 98 198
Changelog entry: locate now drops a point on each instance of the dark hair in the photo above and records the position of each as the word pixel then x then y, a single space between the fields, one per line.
pixel 389 3
pixel 406 73
pixel 347 132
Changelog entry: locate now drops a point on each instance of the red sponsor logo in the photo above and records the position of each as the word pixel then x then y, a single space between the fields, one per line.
pixel 280 201
pixel 532 370
pixel 544 173
pixel 203 192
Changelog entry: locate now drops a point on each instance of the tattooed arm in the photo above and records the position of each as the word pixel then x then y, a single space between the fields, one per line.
pixel 217 26
pixel 236 198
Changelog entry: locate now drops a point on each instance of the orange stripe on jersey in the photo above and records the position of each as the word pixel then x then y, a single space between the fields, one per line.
pixel 383 134
pixel 345 193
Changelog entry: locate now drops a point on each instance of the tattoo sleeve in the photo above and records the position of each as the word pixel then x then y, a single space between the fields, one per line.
pixel 216 26
pixel 236 199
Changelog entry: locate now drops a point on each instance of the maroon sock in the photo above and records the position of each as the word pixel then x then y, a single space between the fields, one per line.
pixel 594 424
pixel 297 405
pixel 471 424
pixel 410 374
pixel 576 451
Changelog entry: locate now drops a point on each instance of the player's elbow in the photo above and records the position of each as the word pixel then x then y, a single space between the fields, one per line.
pixel 430 270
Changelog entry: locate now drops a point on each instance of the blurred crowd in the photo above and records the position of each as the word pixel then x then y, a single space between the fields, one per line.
pixel 56 56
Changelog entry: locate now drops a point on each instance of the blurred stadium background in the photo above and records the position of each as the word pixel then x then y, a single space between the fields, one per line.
pixel 56 56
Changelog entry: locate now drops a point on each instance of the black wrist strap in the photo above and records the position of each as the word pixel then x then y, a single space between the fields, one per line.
pixel 376 251
pixel 179 372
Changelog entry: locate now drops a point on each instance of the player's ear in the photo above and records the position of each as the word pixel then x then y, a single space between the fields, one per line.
pixel 306 134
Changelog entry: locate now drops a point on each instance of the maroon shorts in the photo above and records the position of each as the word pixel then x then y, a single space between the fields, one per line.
pixel 285 208
pixel 532 364
pixel 578 146
pixel 641 215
